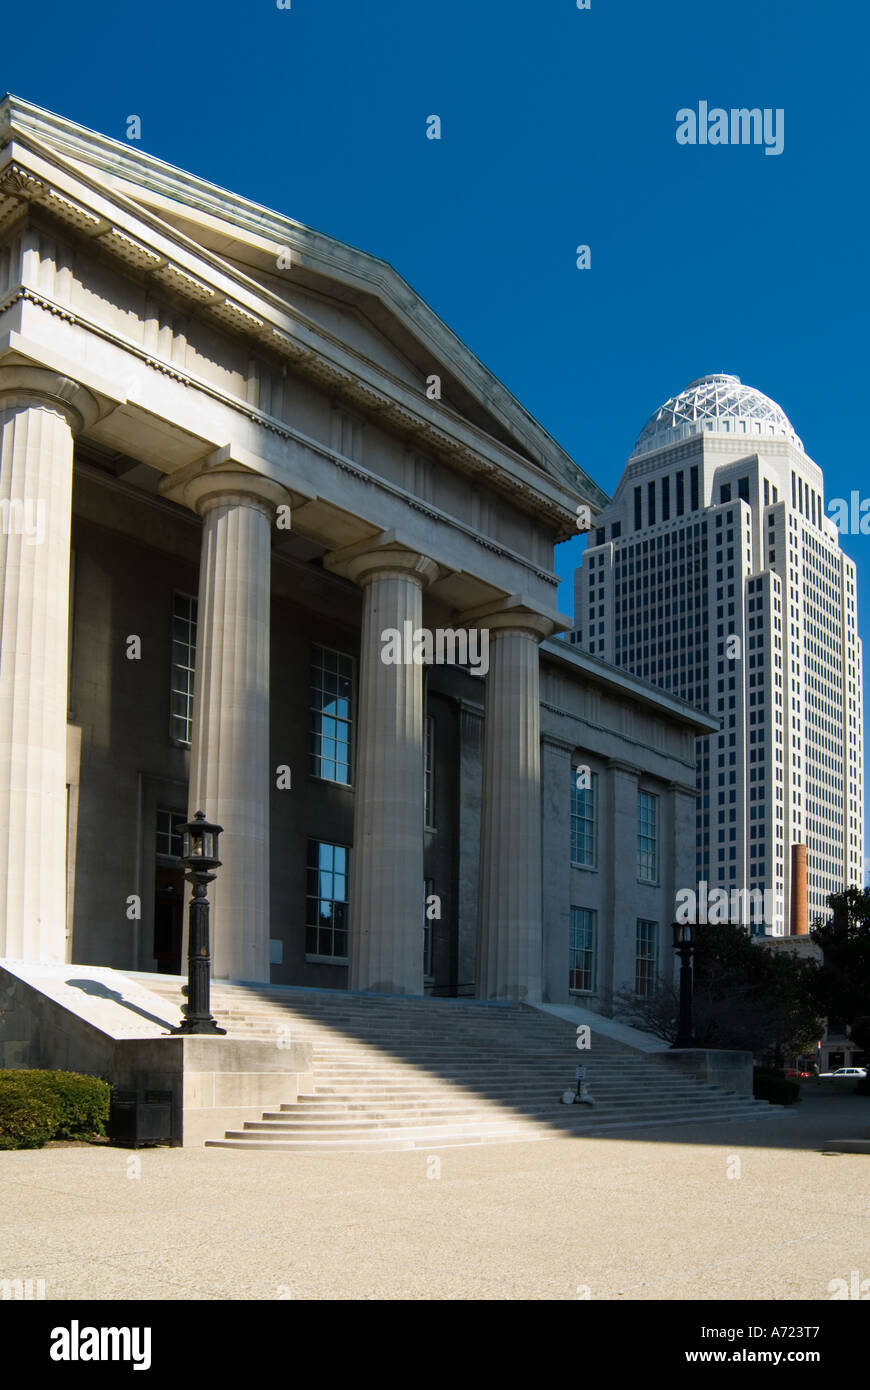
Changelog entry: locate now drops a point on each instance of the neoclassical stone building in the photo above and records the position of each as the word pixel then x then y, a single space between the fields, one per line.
pixel 233 454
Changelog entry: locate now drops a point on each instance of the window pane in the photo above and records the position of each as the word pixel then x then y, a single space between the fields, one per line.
pixel 583 817
pixel 646 952
pixel 331 700
pixel 581 963
pixel 326 901
pixel 184 612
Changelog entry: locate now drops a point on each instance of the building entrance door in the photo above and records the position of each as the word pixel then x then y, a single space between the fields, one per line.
pixel 168 919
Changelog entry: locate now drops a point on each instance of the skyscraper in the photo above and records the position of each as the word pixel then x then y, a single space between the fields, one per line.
pixel 717 574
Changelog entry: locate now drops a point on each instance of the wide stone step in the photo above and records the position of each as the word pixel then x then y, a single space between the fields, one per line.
pixel 362 1145
pixel 502 1085
pixel 383 1041
pixel 448 1126
pixel 451 1138
pixel 502 1056
pixel 435 1071
pixel 562 1116
pixel 509 1095
pixel 505 1092
pixel 351 1023
pixel 520 1102
pixel 355 1100
pixel 439 1073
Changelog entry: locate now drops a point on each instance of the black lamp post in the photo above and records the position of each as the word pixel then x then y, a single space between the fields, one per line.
pixel 200 858
pixel 684 945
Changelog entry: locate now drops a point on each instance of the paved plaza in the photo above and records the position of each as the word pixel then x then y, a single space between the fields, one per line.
pixel 746 1211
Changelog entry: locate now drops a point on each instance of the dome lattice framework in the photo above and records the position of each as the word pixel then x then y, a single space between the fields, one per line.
pixel 716 403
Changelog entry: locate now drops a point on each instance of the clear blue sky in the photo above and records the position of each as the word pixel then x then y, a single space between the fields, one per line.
pixel 558 129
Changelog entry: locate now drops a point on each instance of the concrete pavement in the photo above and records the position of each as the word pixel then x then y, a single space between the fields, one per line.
pixel 734 1211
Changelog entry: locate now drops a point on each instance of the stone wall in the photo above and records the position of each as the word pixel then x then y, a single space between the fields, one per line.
pixel 216 1083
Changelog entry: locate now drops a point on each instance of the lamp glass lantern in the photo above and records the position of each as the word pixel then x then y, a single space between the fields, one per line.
pixel 199 844
pixel 684 935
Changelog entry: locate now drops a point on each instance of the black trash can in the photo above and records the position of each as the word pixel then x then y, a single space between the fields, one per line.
pixel 137 1119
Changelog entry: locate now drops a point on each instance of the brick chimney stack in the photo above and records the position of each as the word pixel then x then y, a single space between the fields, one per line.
pixel 799 925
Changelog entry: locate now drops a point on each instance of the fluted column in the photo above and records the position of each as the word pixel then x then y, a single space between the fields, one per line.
pixel 386 904
pixel 40 412
pixel 230 773
pixel 618 934
pixel 509 943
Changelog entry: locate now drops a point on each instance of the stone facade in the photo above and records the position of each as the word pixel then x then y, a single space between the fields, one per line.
pixel 295 460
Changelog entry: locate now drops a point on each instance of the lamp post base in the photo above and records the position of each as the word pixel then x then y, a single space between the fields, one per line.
pixel 197 1020
pixel 199 1025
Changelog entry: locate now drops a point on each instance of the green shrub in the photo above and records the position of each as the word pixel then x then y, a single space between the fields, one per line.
pixel 84 1102
pixel 27 1118
pixel 39 1105
pixel 770 1084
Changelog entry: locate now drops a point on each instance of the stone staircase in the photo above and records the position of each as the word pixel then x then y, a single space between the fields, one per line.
pixel 394 1073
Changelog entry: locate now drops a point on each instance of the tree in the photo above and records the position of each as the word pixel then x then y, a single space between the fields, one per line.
pixel 844 936
pixel 657 1012
pixel 755 996
pixel 746 996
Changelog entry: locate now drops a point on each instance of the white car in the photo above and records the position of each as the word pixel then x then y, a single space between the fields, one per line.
pixel 857 1072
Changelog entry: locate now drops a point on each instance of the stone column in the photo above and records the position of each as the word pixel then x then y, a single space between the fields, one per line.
pixel 556 780
pixel 40 411
pixel 624 894
pixel 470 790
pixel 680 869
pixel 386 872
pixel 230 773
pixel 510 928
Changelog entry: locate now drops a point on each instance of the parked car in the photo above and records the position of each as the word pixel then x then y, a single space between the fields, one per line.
pixel 858 1073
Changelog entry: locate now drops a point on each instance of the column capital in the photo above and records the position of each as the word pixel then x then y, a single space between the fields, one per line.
pixel 684 788
pixel 222 479
pixel 27 385
pixel 386 554
pixel 627 769
pixel 513 614
pixel 564 745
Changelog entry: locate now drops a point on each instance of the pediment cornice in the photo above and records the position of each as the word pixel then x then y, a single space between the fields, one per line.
pixel 79 176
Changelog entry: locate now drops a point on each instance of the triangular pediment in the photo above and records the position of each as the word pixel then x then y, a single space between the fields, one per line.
pixel 342 302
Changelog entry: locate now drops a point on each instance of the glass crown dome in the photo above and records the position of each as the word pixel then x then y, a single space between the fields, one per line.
pixel 720 404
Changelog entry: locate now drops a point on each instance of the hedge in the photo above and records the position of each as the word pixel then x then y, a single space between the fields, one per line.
pixel 36 1106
